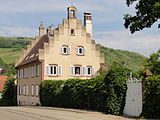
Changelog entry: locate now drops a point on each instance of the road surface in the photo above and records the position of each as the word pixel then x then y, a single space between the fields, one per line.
pixel 44 113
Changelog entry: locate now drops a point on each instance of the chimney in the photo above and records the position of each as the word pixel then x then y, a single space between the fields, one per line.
pixel 48 30
pixel 41 30
pixel 88 22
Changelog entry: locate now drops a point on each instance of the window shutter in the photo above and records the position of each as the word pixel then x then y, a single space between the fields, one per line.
pixel 84 50
pixel 69 50
pixel 37 90
pixel 61 50
pixel 47 69
pixel 32 90
pixel 59 69
pixel 72 70
pixel 93 71
pixel 77 50
pixel 20 91
pixel 83 70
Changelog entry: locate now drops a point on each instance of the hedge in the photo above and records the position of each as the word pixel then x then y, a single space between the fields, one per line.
pixel 151 106
pixel 104 93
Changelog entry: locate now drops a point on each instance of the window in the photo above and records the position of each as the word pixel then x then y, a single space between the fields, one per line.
pixel 24 90
pixel 54 70
pixel 27 88
pixel 37 90
pixel 81 50
pixel 38 70
pixel 75 70
pixel 32 71
pixel 65 50
pixel 81 70
pixel 89 71
pixel 32 90
pixel 19 90
pixel 72 32
pixel 72 13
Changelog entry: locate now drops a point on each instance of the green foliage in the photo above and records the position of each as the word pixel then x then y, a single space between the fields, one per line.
pixel 105 93
pixel 153 63
pixel 130 60
pixel 9 69
pixel 151 106
pixel 147 13
pixel 14 42
pixel 9 94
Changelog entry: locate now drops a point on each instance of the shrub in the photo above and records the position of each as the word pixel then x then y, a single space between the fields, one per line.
pixel 105 93
pixel 151 106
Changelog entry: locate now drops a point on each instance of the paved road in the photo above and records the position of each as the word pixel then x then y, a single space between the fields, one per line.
pixel 43 113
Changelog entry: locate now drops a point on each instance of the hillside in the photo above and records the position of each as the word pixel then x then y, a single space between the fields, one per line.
pixel 131 60
pixel 10 48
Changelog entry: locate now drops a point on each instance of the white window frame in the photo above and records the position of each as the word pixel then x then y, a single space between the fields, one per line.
pixel 68 50
pixel 53 67
pixel 78 50
pixel 91 68
pixel 73 70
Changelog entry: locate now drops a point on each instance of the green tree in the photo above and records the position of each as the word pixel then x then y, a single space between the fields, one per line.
pixel 147 13
pixel 153 63
pixel 9 94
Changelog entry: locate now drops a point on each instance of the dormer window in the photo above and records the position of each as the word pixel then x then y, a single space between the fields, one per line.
pixel 81 50
pixel 65 50
pixel 72 32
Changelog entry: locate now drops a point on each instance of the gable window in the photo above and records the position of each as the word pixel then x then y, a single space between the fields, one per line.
pixel 54 70
pixel 72 32
pixel 81 50
pixel 65 50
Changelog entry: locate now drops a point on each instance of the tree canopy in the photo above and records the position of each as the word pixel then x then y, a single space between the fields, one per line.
pixel 153 63
pixel 147 13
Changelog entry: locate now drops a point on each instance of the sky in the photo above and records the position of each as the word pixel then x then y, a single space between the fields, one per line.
pixel 21 18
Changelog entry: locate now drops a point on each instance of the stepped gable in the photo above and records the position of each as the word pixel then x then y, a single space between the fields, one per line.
pixel 33 53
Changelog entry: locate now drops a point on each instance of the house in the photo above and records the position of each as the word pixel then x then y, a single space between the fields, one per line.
pixel 2 82
pixel 58 54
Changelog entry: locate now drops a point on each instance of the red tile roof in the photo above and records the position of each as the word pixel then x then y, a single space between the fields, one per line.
pixel 2 82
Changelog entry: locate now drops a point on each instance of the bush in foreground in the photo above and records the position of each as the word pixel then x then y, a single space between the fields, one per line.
pixel 105 93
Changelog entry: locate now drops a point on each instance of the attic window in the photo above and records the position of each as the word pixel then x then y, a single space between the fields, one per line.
pixel 72 32
pixel 27 57
pixel 32 56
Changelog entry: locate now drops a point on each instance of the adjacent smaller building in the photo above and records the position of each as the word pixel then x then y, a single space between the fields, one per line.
pixel 2 82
